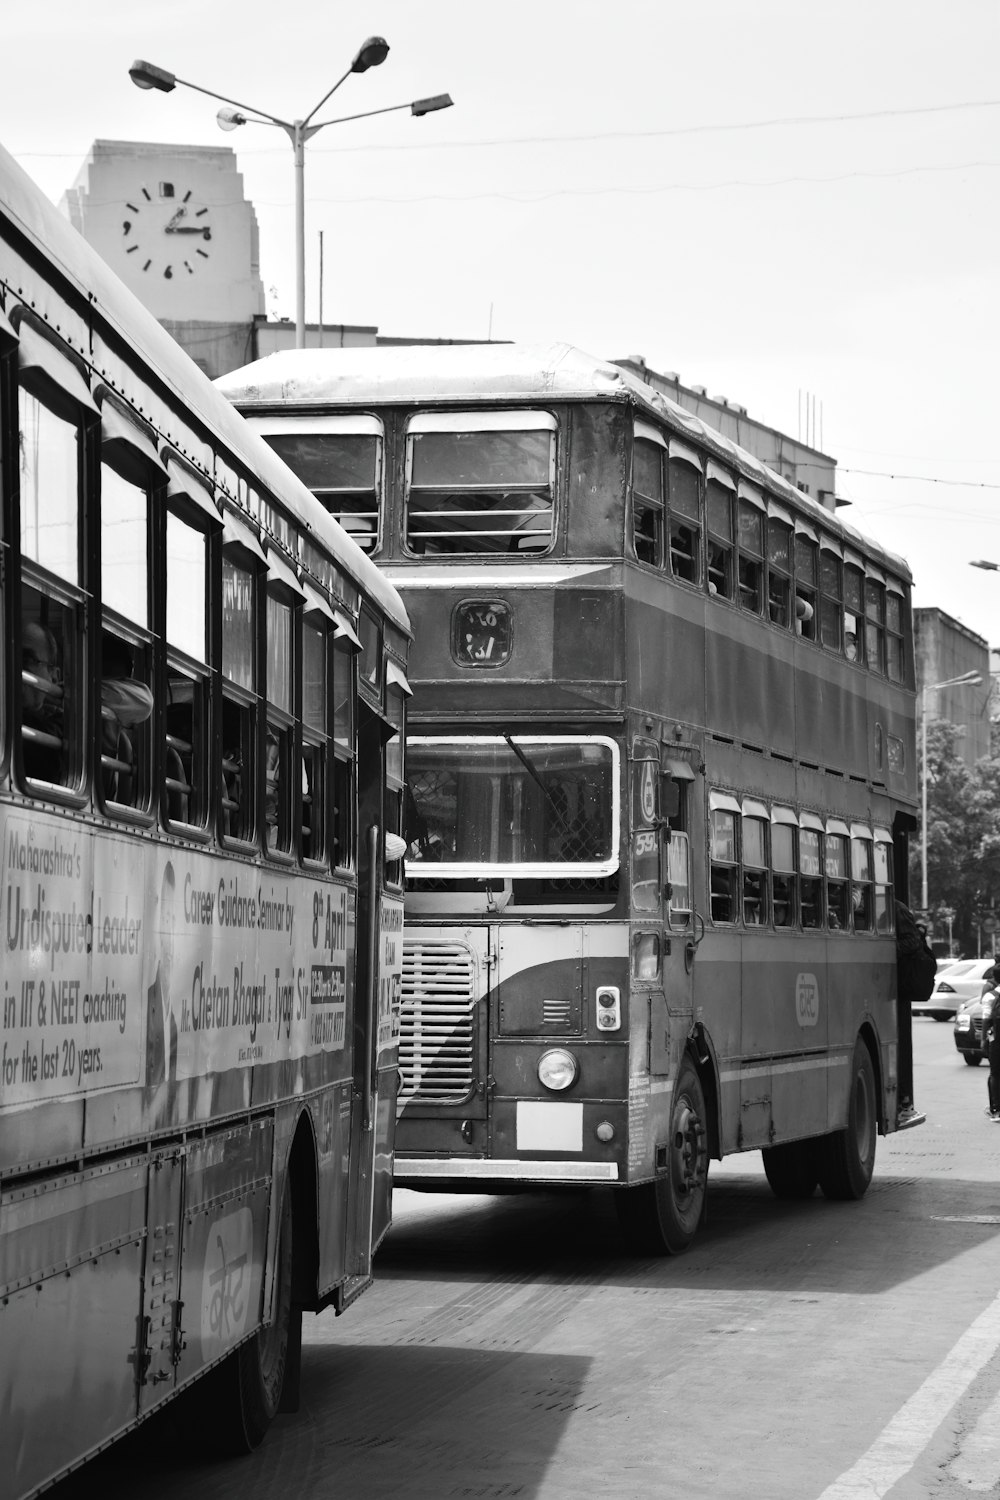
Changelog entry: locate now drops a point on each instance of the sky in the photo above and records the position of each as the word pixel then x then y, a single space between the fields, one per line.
pixel 794 203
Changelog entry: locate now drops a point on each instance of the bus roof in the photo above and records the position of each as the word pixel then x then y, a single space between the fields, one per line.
pixel 24 206
pixel 467 373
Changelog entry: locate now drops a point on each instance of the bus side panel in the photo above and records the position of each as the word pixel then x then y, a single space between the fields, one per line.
pixel 71 1262
pixel 224 1242
pixel 747 685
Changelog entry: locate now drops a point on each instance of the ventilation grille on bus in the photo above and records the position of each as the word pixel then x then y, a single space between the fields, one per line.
pixel 436 1023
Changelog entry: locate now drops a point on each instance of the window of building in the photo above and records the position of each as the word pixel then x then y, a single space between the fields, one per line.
pixel 684 472
pixel 648 454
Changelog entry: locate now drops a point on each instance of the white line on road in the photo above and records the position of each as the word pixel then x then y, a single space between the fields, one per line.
pixel 900 1444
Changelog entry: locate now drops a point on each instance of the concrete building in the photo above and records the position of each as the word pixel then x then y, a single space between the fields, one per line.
pixel 944 648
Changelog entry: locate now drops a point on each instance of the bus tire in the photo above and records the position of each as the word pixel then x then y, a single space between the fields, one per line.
pixel 791 1169
pixel 846 1158
pixel 661 1217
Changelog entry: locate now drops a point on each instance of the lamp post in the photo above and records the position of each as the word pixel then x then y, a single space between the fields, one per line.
pixel 967 678
pixel 146 75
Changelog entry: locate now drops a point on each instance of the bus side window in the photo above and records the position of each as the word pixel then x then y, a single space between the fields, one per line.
pixel 805 586
pixel 239 700
pixel 811 876
pixel 854 636
pixel 875 624
pixel 51 703
pixel 884 908
pixel 779 572
pixel 838 913
pixel 685 519
pixel 725 867
pixel 344 739
pixel 279 731
pixel 394 784
pixel 755 871
pixel 861 884
pixel 894 651
pixel 315 736
pixel 751 560
pixel 647 502
pixel 719 516
pixel 126 639
pixel 187 709
pixel 783 867
pixel 679 856
pixel 831 605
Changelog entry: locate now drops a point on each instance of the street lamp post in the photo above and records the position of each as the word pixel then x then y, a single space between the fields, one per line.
pixel 967 678
pixel 146 75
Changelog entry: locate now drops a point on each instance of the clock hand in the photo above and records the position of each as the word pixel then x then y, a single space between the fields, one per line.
pixel 171 227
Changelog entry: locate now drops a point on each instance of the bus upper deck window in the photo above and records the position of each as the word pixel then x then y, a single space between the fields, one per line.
pixel 831 599
pixel 279 728
pixel 854 636
pixel 126 642
pixel 751 559
pixel 719 517
pixel 647 501
pixel 779 572
pixel 725 868
pixel 342 468
pixel 187 709
pixel 684 471
pixel 239 699
pixel 315 730
pixel 50 449
pixel 805 586
pixel 483 484
pixel 875 624
pixel 894 651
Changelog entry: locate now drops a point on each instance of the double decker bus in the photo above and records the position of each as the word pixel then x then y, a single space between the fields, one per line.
pixel 201 719
pixel 660 778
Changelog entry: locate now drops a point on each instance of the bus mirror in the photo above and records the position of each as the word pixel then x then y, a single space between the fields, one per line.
pixel 670 796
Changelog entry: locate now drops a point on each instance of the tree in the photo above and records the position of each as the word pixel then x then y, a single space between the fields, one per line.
pixel 953 834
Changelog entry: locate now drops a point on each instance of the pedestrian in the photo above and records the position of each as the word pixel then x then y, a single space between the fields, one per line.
pixel 916 970
pixel 991 1049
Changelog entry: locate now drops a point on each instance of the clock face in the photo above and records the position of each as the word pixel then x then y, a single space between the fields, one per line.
pixel 167 233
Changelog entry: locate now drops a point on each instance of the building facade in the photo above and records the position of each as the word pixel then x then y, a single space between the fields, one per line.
pixel 944 649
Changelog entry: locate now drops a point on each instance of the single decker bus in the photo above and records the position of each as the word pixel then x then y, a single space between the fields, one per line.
pixel 660 778
pixel 201 748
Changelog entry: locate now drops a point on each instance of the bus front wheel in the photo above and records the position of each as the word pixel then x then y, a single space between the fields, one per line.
pixel 661 1217
pixel 846 1159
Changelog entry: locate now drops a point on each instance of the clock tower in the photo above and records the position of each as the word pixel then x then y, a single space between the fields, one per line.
pixel 174 223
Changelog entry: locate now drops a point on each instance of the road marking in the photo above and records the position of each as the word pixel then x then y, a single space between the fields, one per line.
pixel 977 1464
pixel 900 1444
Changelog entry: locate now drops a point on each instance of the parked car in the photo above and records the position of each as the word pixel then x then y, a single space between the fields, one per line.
pixel 969 1030
pixel 962 981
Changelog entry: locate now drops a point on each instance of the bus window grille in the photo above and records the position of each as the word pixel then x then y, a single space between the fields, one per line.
pixel 436 1038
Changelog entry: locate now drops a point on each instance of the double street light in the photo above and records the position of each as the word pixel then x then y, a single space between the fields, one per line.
pixel 146 75
pixel 969 679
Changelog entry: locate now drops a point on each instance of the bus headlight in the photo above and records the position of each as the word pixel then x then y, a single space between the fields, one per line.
pixel 558 1069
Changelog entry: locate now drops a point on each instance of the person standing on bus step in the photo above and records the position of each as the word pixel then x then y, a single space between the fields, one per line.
pixel 916 971
pixel 991 1050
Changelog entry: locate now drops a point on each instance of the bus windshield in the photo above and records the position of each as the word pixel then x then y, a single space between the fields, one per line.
pixel 514 805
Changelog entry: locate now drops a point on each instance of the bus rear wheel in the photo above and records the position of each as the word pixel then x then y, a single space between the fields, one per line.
pixel 846 1158
pixel 792 1169
pixel 661 1217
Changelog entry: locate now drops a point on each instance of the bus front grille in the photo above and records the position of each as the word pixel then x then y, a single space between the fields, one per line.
pixel 436 1023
